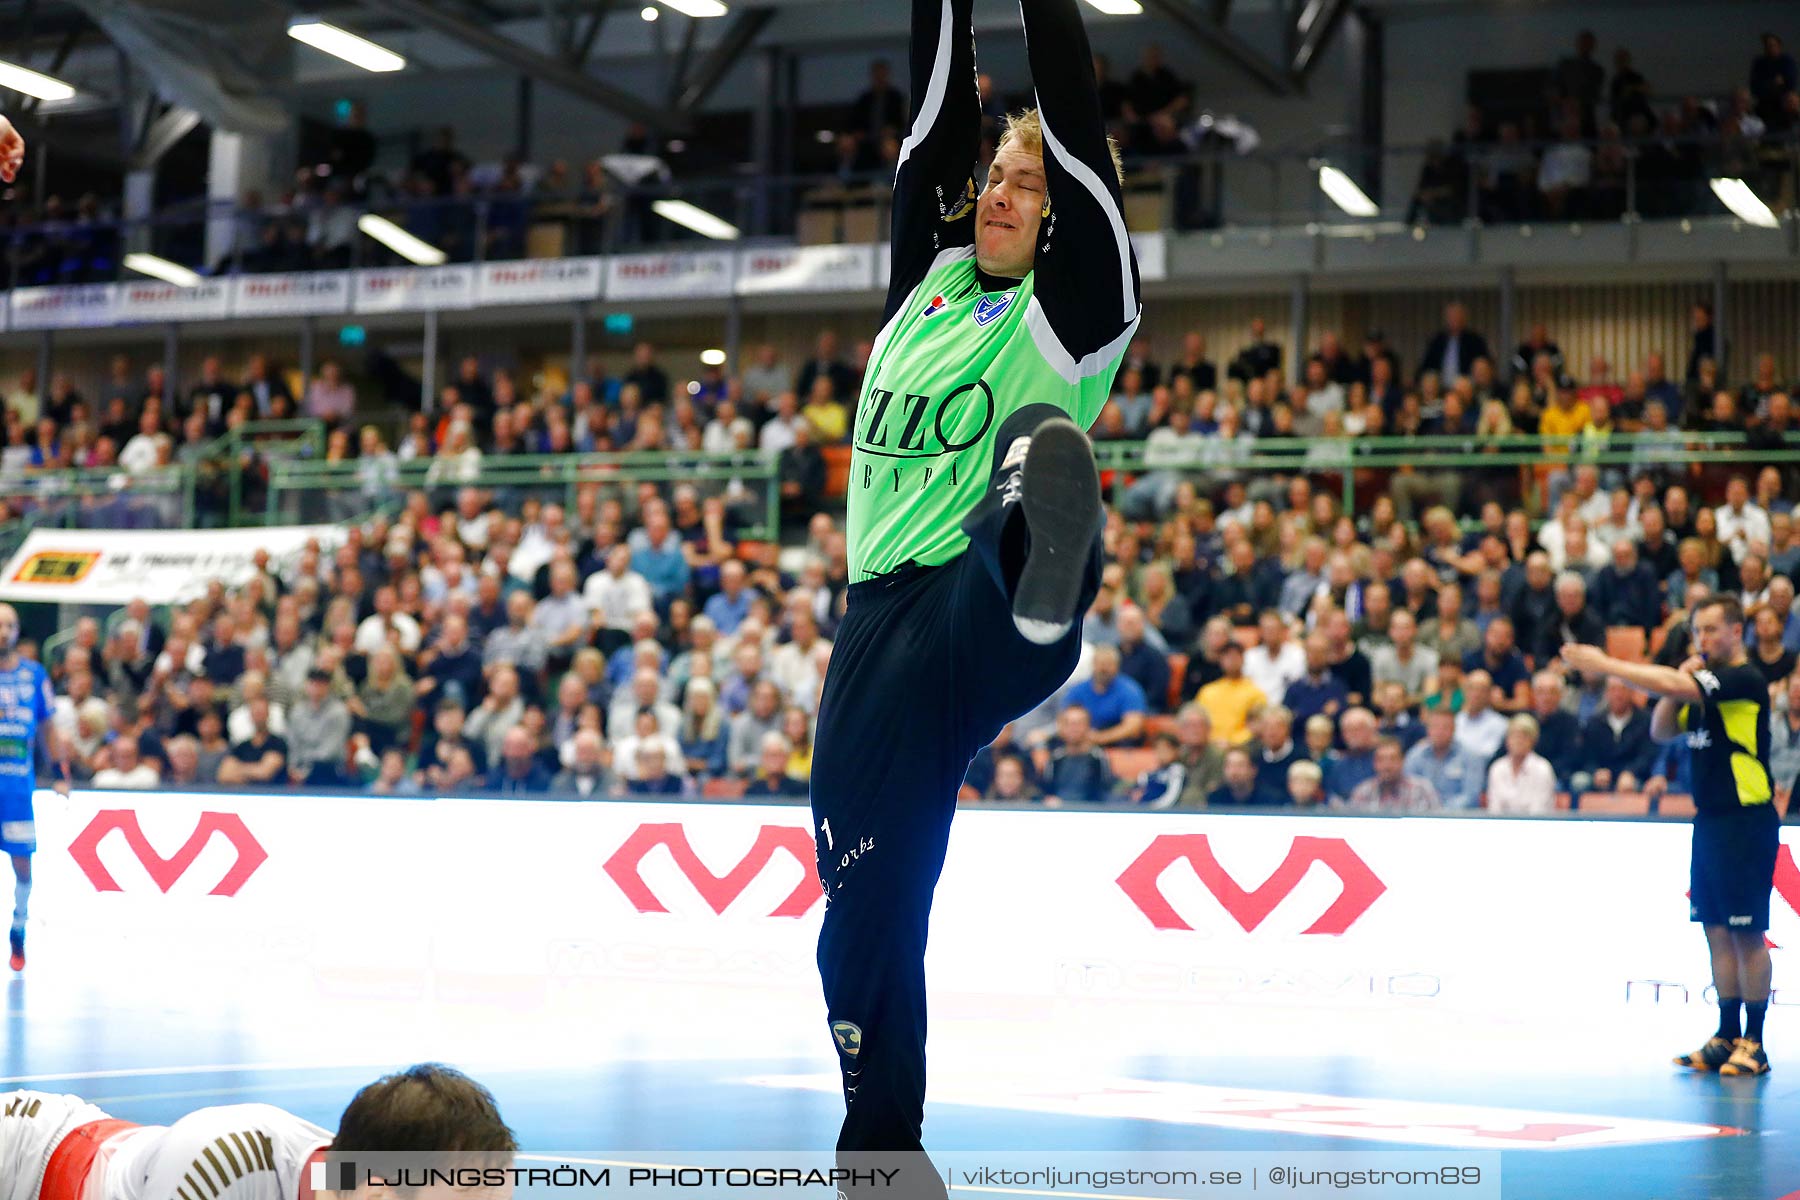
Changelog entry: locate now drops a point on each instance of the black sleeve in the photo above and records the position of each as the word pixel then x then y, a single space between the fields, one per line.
pixel 1731 683
pixel 934 186
pixel 1085 274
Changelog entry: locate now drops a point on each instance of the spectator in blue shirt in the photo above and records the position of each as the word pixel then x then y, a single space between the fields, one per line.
pixel 1114 702
pixel 1356 762
pixel 1504 665
pixel 626 660
pixel 1240 786
pixel 519 772
pixel 731 603
pixel 1443 762
pixel 1142 661
pixel 1319 692
pixel 657 554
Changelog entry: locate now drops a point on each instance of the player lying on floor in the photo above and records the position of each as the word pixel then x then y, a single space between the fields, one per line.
pixel 58 1147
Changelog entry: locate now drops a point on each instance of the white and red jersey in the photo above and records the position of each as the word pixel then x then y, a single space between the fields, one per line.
pixel 235 1152
pixel 32 1125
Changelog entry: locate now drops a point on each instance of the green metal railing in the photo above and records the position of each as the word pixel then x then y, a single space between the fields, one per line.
pixel 213 483
pixel 340 488
pixel 1435 453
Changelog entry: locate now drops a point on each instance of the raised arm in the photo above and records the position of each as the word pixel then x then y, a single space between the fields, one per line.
pixel 1649 677
pixel 1086 275
pixel 934 186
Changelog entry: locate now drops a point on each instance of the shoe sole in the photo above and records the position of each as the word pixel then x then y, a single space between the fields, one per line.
pixel 1740 1073
pixel 1062 507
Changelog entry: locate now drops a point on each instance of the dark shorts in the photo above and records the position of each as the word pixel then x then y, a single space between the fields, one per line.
pixel 1733 869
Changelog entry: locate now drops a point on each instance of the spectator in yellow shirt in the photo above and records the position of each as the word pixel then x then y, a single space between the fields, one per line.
pixel 830 420
pixel 1230 700
pixel 1565 416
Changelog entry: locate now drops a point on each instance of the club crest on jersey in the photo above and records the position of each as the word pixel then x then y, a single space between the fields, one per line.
pixel 989 308
pixel 934 308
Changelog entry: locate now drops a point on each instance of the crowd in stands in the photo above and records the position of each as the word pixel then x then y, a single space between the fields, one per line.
pixel 1566 155
pixel 1562 155
pixel 1251 643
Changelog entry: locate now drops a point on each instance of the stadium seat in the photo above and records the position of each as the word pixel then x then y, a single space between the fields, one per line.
pixel 837 471
pixel 1128 762
pixel 966 792
pixel 723 789
pixel 1159 723
pixel 1622 804
pixel 1658 636
pixel 1674 805
pixel 1627 642
pixel 1177 673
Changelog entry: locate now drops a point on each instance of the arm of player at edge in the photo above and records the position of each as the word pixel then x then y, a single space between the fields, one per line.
pixel 1667 682
pixel 938 152
pixel 12 151
pixel 1086 283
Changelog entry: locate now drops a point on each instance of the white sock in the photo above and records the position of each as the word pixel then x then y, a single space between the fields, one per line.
pixel 21 902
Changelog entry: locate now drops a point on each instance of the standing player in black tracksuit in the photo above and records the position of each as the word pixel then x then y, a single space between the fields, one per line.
pixel 1720 704
pixel 974 513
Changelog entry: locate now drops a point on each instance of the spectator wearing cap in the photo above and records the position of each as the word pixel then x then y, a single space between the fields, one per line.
pixel 318 734
pixel 1113 702
pixel 1231 698
pixel 1454 772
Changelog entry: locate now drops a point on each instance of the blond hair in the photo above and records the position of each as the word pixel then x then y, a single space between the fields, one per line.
pixel 1025 129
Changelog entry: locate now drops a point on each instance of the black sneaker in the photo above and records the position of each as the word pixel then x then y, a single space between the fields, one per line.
pixel 1060 497
pixel 17 961
pixel 1747 1058
pixel 1709 1057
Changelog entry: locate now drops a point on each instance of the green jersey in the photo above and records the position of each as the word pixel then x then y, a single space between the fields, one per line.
pixel 960 350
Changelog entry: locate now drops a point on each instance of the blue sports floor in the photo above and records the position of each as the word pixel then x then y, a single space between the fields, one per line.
pixel 631 1068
